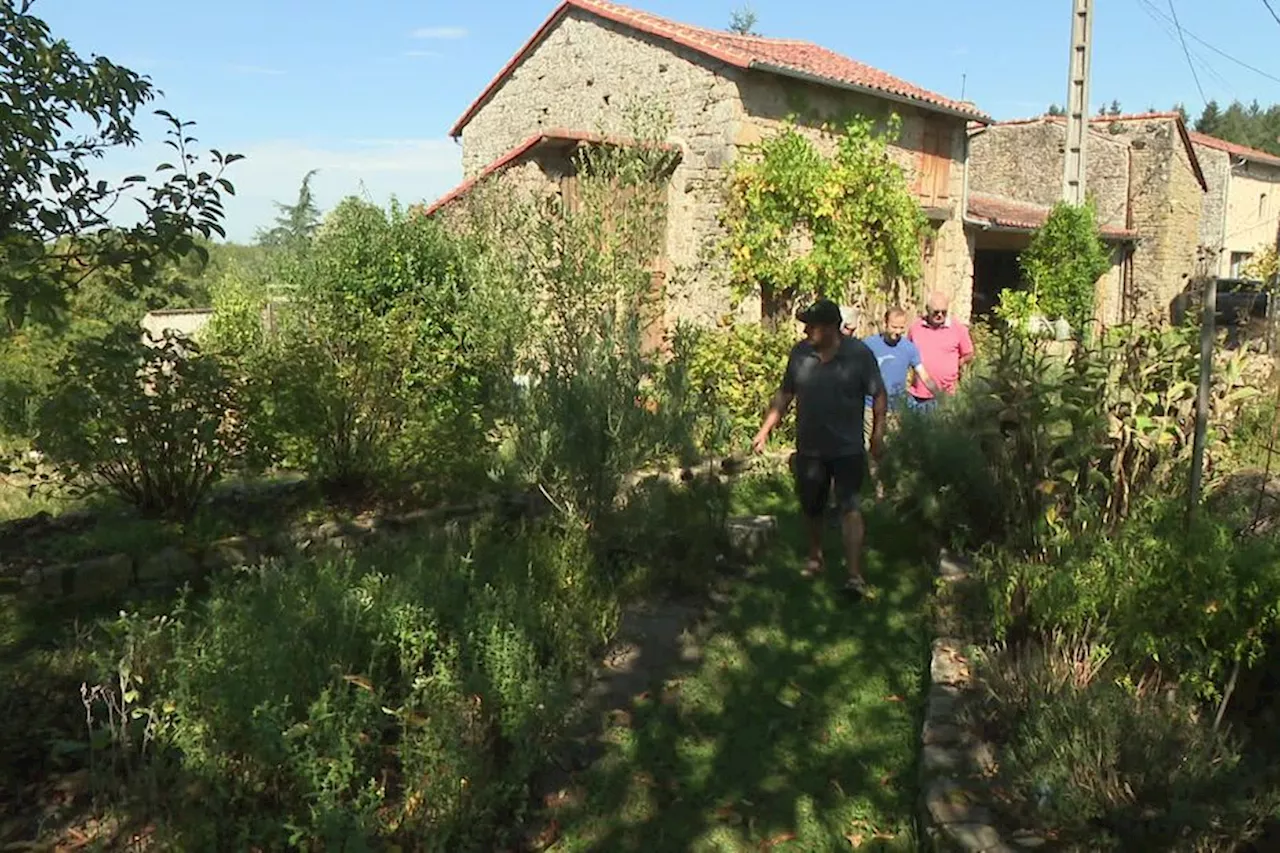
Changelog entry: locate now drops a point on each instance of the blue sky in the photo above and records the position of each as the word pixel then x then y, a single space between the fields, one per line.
pixel 367 93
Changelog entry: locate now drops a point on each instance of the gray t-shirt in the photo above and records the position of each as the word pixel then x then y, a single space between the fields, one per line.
pixel 830 398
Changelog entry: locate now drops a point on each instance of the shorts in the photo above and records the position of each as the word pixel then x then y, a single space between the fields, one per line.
pixel 814 476
pixel 919 405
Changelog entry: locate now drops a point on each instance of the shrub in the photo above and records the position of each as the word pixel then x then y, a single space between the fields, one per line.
pixel 939 476
pixel 1064 262
pixel 1100 764
pixel 600 405
pixel 732 373
pixel 1068 443
pixel 156 423
pixel 1191 601
pixel 406 695
pixel 392 352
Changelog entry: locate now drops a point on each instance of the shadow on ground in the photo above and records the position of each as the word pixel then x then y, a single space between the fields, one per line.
pixel 785 718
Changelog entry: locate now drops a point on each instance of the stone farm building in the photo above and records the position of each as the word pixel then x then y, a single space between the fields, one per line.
pixel 1165 196
pixel 569 85
pixel 1242 206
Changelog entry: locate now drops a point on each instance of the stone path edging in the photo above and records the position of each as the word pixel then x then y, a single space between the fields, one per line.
pixel 952 815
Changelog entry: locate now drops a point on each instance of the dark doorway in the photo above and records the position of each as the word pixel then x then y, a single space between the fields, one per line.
pixel 994 270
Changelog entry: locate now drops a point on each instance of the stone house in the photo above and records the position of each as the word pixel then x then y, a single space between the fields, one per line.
pixel 571 82
pixel 1145 176
pixel 1241 213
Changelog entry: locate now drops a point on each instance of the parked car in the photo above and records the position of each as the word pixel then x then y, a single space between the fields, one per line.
pixel 1240 300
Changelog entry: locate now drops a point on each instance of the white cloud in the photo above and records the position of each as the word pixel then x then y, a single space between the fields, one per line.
pixel 412 170
pixel 449 33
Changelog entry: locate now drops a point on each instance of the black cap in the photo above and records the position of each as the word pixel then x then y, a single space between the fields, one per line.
pixel 824 312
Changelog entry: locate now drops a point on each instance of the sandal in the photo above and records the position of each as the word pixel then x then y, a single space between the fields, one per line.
pixel 859 588
pixel 812 568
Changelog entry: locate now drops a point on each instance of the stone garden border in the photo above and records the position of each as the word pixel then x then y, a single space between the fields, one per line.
pixel 952 814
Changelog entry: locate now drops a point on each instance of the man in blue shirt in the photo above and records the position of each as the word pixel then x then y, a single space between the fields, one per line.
pixel 897 358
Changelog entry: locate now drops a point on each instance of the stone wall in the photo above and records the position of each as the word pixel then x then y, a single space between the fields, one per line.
pixel 1108 294
pixel 1252 210
pixel 1166 206
pixel 584 76
pixel 586 73
pixel 1025 162
pixel 1216 166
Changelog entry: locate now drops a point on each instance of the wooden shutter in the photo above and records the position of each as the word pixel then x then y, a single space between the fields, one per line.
pixel 933 175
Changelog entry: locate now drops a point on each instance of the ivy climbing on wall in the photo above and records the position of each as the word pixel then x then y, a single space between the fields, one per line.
pixel 802 224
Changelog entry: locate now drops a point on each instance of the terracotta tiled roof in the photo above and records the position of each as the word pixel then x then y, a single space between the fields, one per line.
pixel 516 154
pixel 1241 151
pixel 999 212
pixel 779 56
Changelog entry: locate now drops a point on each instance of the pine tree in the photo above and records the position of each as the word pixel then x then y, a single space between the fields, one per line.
pixel 743 21
pixel 1210 119
pixel 296 222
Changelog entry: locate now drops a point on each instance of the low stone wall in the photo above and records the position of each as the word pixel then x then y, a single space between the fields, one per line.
pixel 953 758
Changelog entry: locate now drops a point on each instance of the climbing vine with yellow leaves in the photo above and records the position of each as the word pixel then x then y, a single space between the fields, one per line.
pixel 802 224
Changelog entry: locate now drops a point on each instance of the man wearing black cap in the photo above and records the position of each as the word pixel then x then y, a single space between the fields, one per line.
pixel 829 376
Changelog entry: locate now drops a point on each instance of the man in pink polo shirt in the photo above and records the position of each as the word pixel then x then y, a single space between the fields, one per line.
pixel 945 348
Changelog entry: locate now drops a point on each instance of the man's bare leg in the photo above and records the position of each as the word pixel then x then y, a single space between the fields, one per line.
pixel 815 525
pixel 853 531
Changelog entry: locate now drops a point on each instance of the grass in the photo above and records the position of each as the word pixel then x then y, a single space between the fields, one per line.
pixel 796 731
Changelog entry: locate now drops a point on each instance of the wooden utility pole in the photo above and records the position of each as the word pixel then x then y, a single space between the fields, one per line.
pixel 1073 176
pixel 1208 307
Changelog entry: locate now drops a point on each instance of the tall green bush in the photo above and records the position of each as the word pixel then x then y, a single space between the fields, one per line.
pixel 599 406
pixel 1064 262
pixel 393 349
pixel 731 372
pixel 1067 444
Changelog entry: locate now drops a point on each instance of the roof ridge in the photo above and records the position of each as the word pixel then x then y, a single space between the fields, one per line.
pixel 797 58
pixel 1232 147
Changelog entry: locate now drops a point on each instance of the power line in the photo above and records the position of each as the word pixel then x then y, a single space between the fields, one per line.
pixel 1227 56
pixel 1186 52
pixel 1162 20
pixel 1270 9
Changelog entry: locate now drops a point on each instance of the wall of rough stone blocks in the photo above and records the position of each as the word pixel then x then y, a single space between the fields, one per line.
pixel 1025 162
pixel 1216 166
pixel 585 74
pixel 1252 210
pixel 1167 203
pixel 1108 294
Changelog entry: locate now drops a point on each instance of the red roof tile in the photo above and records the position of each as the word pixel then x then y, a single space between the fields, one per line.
pixel 1241 151
pixel 1000 212
pixel 518 153
pixel 778 56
